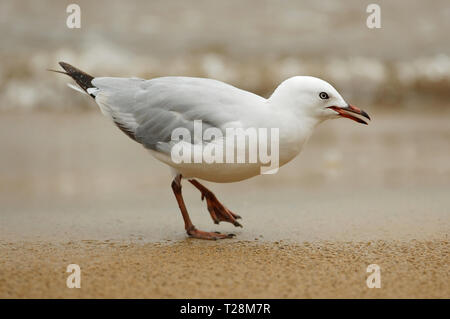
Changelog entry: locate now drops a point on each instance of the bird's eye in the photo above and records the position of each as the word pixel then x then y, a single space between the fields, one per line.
pixel 323 95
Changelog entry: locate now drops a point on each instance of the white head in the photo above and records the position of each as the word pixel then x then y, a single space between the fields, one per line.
pixel 307 96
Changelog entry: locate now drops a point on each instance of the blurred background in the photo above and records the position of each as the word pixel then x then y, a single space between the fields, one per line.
pixel 252 44
pixel 66 172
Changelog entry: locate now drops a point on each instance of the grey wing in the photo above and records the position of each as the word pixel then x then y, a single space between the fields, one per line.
pixel 149 110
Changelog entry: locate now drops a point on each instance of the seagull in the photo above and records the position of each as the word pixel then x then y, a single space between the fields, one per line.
pixel 148 111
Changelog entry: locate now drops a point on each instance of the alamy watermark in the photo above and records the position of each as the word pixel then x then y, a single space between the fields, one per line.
pixel 374 279
pixel 73 20
pixel 237 146
pixel 74 279
pixel 373 21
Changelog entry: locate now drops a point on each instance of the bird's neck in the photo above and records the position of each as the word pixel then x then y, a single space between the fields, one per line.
pixel 296 125
pixel 294 132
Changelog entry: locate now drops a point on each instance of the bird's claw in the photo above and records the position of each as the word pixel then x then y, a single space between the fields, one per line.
pixel 221 214
pixel 195 233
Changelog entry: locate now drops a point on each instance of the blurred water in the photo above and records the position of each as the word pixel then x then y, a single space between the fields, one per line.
pixel 253 44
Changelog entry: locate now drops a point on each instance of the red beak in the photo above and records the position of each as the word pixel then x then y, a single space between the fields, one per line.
pixel 345 112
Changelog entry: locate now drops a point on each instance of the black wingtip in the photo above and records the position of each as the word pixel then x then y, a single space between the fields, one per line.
pixel 83 79
pixel 67 66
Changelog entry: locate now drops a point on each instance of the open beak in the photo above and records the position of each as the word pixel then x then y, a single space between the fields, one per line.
pixel 345 112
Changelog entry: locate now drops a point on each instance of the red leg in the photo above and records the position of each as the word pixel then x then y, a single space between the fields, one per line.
pixel 216 209
pixel 190 228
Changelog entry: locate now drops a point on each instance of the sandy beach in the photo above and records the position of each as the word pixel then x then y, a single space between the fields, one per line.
pixel 80 192
pixel 234 269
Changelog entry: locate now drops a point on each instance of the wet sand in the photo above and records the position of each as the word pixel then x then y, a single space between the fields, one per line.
pixel 74 190
pixel 237 269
